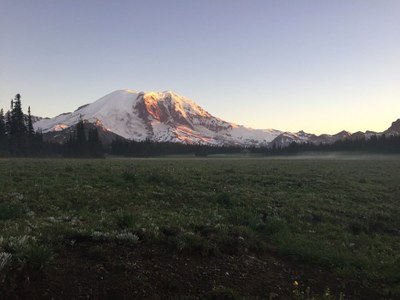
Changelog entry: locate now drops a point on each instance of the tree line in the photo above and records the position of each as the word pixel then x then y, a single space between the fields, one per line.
pixel 18 138
pixel 81 144
pixel 374 144
pixel 148 148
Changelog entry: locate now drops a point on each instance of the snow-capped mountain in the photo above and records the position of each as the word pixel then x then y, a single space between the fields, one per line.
pixel 158 116
pixel 168 117
pixel 286 138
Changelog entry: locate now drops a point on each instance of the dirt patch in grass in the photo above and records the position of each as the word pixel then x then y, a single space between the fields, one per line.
pixel 107 271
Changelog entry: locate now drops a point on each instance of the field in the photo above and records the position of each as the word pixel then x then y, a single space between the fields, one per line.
pixel 212 228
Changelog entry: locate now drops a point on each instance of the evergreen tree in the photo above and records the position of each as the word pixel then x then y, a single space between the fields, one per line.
pixel 18 128
pixel 8 124
pixel 3 136
pixel 2 125
pixel 17 137
pixel 70 146
pixel 95 147
pixel 29 123
pixel 81 142
pixel 37 143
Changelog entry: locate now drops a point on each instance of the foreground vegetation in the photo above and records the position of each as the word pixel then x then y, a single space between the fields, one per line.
pixel 123 216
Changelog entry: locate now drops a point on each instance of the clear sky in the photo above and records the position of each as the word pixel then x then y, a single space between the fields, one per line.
pixel 318 66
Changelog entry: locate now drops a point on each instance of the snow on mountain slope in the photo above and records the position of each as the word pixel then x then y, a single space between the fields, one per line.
pixel 286 138
pixel 114 112
pixel 159 116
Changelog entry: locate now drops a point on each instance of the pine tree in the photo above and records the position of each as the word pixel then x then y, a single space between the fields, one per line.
pixel 2 125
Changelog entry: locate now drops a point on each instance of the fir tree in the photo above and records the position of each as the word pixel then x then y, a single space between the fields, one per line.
pixel 3 136
pixel 8 123
pixel 29 123
pixel 17 136
pixel 81 142
pixel 95 148
pixel 18 128
pixel 2 125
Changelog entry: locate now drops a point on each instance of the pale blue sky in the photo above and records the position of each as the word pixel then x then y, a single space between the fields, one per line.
pixel 318 66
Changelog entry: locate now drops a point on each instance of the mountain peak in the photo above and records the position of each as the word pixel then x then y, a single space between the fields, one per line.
pixel 343 133
pixel 158 116
pixel 394 128
pixel 169 117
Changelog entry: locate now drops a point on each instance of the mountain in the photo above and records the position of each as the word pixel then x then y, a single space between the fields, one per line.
pixel 158 116
pixel 169 117
pixel 394 129
pixel 286 138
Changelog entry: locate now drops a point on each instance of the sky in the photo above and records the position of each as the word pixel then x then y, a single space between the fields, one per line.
pixel 317 66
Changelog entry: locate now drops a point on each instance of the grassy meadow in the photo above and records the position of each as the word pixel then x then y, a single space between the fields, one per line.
pixel 322 229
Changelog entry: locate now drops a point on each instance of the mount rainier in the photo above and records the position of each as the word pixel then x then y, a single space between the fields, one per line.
pixel 169 117
pixel 158 116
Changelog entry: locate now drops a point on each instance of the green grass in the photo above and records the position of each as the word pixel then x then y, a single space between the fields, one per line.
pixel 341 215
pixel 10 211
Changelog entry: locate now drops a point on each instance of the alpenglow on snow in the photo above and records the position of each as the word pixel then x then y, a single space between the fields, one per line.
pixel 158 116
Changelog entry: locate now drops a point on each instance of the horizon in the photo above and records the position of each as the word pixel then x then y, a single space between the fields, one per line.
pixel 291 66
